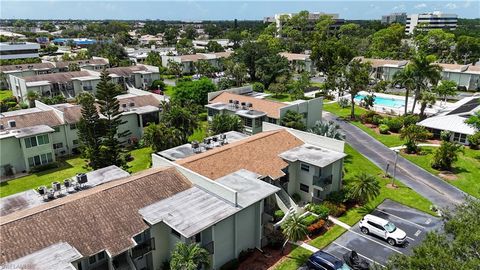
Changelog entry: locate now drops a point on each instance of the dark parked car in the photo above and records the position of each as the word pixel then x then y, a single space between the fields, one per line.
pixel 322 260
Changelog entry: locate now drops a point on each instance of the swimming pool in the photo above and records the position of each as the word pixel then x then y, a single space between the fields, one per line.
pixel 384 101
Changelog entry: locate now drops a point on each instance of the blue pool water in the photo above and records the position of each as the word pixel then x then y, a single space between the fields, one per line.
pixel 382 101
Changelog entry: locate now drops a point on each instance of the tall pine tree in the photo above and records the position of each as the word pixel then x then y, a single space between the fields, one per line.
pixel 89 130
pixel 111 151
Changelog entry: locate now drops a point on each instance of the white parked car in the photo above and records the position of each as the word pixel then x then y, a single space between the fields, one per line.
pixel 382 228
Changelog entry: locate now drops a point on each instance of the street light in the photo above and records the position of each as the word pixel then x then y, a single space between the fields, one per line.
pixel 395 166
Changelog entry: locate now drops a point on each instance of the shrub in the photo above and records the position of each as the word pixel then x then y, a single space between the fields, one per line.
pixel 230 265
pixel 339 196
pixel 157 85
pixel 336 210
pixel 410 119
pixel 377 119
pixel 321 210
pixel 309 220
pixel 279 214
pixel 275 238
pixel 45 167
pixel 343 102
pixel 128 157
pixel 368 117
pixel 316 226
pixel 394 124
pixel 383 129
pixel 258 87
pixel 202 116
pixel 296 197
pixel 474 140
pixel 445 135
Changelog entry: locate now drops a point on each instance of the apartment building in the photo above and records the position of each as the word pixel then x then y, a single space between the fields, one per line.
pixel 96 63
pixel 299 62
pixel 467 77
pixel 37 136
pixel 433 20
pixel 70 84
pixel 295 161
pixel 253 109
pixel 397 17
pixel 188 61
pixel 18 50
pixel 134 222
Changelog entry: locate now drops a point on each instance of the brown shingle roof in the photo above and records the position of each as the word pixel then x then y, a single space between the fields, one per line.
pixel 26 67
pixel 60 77
pixel 82 63
pixel 295 56
pixel 376 62
pixel 258 153
pixel 192 57
pixel 271 108
pixel 139 101
pixel 105 217
pixel 31 119
pixel 126 71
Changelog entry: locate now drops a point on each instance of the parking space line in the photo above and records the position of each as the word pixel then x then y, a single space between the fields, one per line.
pixel 368 238
pixel 410 238
pixel 417 233
pixel 375 262
pixel 406 220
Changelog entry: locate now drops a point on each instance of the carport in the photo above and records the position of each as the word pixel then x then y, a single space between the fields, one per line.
pixel 415 223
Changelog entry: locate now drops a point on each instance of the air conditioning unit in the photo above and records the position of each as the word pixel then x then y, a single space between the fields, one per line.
pixel 12 123
pixel 82 178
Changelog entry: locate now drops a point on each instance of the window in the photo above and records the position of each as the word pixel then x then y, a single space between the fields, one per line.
pixel 272 120
pixel 40 160
pixel 304 188
pixel 247 122
pixel 101 255
pixel 198 238
pixel 49 157
pixel 92 259
pixel 42 139
pixel 73 126
pixel 258 122
pixel 75 142
pixel 57 129
pixel 57 145
pixel 304 167
pixel 212 112
pixel 177 234
pixel 37 160
pixel 30 142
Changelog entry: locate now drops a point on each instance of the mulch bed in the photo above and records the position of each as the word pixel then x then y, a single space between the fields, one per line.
pixel 265 260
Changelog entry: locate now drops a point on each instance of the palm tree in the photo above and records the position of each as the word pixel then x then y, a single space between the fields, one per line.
pixel 426 98
pixel 189 257
pixel 182 119
pixel 225 122
pixel 405 78
pixel 31 97
pixel 446 155
pixel 424 72
pixel 413 134
pixel 364 187
pixel 446 88
pixel 160 137
pixel 328 129
pixel 294 229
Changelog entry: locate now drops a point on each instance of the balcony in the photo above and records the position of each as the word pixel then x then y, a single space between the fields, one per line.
pixel 322 181
pixel 87 88
pixel 143 248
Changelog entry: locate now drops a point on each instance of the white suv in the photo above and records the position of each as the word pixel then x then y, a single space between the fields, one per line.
pixel 382 228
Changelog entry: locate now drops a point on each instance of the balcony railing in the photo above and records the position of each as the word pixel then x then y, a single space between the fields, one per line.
pixel 210 247
pixel 322 181
pixel 143 248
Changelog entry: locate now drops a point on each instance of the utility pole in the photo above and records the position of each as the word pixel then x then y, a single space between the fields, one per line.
pixel 395 166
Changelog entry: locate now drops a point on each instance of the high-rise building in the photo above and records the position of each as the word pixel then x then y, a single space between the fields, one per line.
pixel 395 18
pixel 428 21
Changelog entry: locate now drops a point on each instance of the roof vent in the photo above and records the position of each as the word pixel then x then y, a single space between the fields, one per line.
pixel 12 123
pixel 132 104
pixel 249 105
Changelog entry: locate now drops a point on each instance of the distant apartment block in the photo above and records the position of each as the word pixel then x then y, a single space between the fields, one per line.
pixel 313 17
pixel 18 50
pixel 70 84
pixel 202 44
pixel 395 18
pixel 428 21
pixel 36 136
pixel 299 62
pixel 467 77
pixel 188 61
pixel 253 109
pixel 77 42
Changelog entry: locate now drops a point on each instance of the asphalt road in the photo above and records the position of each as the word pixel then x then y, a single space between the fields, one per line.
pixel 415 223
pixel 426 184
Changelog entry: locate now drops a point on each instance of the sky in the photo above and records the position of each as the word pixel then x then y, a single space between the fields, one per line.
pixel 195 10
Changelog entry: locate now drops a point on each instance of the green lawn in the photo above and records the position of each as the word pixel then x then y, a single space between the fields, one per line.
pixel 330 236
pixel 467 168
pixel 68 168
pixel 389 140
pixel 5 94
pixel 168 90
pixel 281 97
pixel 199 133
pixel 356 163
pixel 296 258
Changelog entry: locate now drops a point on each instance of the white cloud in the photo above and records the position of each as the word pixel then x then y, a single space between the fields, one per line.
pixel 419 6
pixel 451 6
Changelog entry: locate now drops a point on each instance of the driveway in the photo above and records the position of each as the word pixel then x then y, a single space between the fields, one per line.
pixel 415 223
pixel 426 184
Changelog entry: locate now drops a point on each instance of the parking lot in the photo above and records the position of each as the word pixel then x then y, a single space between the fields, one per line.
pixel 415 223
